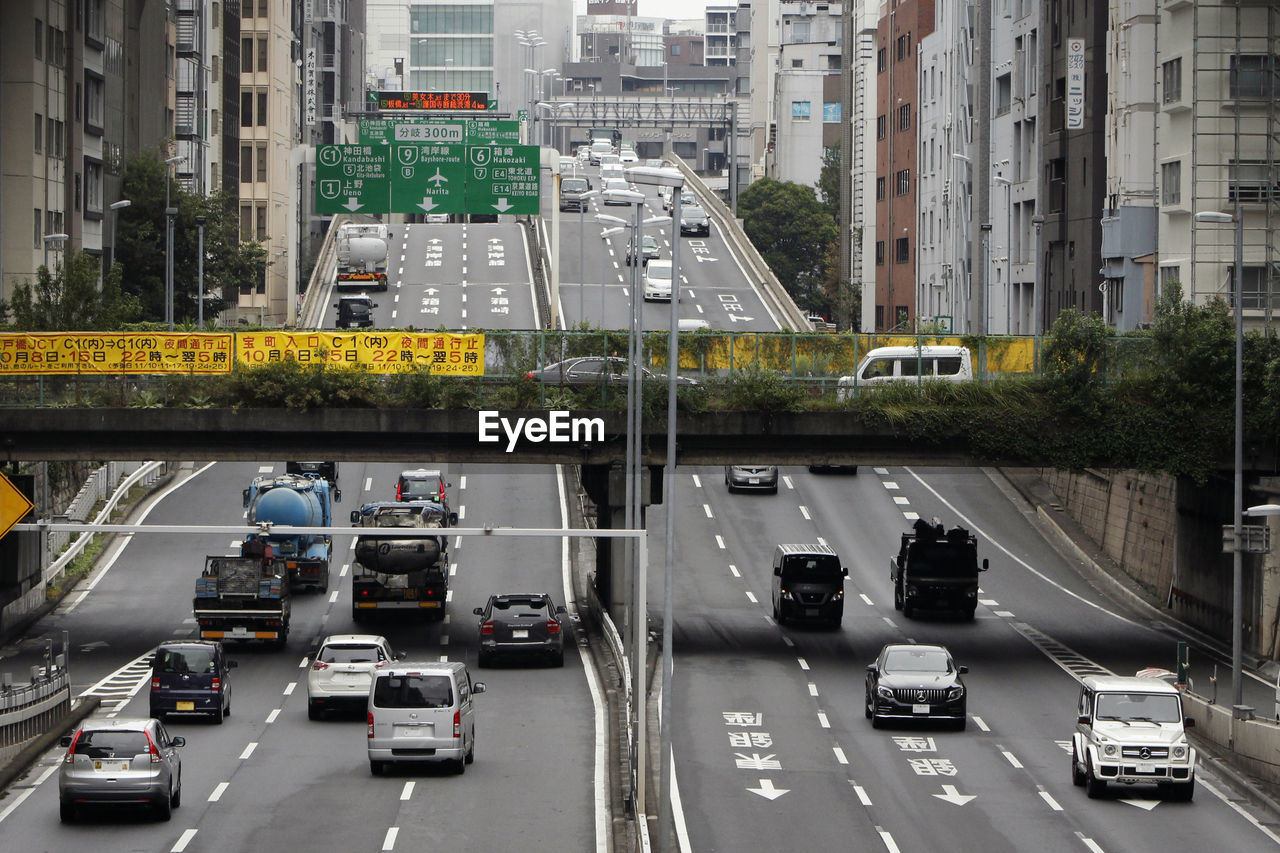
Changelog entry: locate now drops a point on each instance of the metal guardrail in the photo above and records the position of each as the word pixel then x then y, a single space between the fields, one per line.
pixel 114 478
pixel 27 711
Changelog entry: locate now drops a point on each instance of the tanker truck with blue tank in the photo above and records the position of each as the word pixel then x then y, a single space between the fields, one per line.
pixel 244 598
pixel 295 500
pixel 395 572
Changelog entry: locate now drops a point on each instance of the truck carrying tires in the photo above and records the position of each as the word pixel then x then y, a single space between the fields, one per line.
pixel 295 500
pixel 244 598
pixel 936 569
pixel 394 571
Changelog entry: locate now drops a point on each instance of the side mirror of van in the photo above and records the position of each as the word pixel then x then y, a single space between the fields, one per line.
pixel 355 516
pixel 478 687
pixel 560 608
pixel 398 656
pixel 453 518
pixel 962 669
pixel 1082 720
pixel 777 571
pixel 245 496
pixel 479 611
pixel 375 305
pixel 231 664
pixel 871 667
pixel 337 496
pixel 1188 722
pixel 986 564
pixel 335 305
pixel 844 571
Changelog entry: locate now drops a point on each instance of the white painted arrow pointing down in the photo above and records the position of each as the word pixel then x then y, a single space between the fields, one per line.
pixel 767 790
pixel 503 205
pixel 353 204
pixel 427 203
pixel 950 794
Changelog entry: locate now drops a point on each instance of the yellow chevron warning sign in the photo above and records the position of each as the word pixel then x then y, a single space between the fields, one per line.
pixel 14 505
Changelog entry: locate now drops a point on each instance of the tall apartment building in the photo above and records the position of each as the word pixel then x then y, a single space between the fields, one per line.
pixel 1016 83
pixel 1218 146
pixel 857 157
pixel 720 47
pixel 901 26
pixel 807 90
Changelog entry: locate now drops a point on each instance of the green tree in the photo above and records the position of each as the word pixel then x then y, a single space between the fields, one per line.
pixel 793 232
pixel 68 299
pixel 829 181
pixel 228 265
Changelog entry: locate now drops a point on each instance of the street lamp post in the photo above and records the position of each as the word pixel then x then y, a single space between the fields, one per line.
pixel 1237 566
pixel 170 213
pixel 1038 222
pixel 116 207
pixel 582 256
pixel 604 260
pixel 200 273
pixel 58 238
pixel 1008 248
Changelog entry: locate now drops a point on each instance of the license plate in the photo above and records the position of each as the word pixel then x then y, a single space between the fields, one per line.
pixel 111 765
pixel 811 611
pixel 186 706
pixel 943 603
pixel 919 709
pixel 1146 768
pixel 754 481
pixel 520 634
pixel 413 731
pixel 238 631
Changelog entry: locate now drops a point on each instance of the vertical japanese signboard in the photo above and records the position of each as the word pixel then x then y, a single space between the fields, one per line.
pixel 309 88
pixel 1075 84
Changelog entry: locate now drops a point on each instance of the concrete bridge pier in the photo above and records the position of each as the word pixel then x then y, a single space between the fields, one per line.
pixel 605 485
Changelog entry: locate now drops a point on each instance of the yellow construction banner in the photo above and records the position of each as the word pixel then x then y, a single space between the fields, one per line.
pixel 446 353
pixel 93 353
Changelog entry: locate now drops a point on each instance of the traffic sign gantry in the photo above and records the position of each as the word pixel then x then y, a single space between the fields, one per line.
pixel 503 179
pixel 492 131
pixel 352 179
pixel 14 505
pixel 429 179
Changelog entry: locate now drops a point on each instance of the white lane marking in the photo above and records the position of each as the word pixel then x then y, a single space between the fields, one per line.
pixel 453 570
pixel 823 721
pixel 444 639
pixel 393 313
pixel 389 843
pixel 368 483
pixel 1090 843
pixel 271 718
pixel 821 541
pixel 457 542
pixel 787 480
pixel 813 689
pixel 17 801
pixel 804 664
pixel 911 516
pixel 697 481
pixel 866 599
pixel 288 688
pixel 861 792
pixel 734 570
pixel 981 723
pixel 1053 804
pixel 397 298
pixel 840 756
pixel 804 510
pixel 248 750
pixel 302 664
pixel 444 658
pixel 218 790
pixel 889 484
pixel 407 791
pixel 901 501
pixel 235 543
pixel 333 597
pixel 183 841
pixel 462 511
pixel 1003 614
pixel 888 621
pixel 988 602
pixel 266 469
pixel 448 596
pixel 462 481
pixel 1013 759
pixel 342 573
pixel 889 843
pixel 707 509
pixel 720 541
pixel 751 596
pixel 787 640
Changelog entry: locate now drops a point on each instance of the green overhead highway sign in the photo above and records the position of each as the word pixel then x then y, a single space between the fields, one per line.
pixel 429 179
pixel 491 131
pixel 484 131
pixel 503 179
pixel 352 179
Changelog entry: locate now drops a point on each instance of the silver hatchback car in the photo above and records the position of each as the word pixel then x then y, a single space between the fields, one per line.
pixel 120 762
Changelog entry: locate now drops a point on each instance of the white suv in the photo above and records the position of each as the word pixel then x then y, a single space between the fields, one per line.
pixel 343 669
pixel 1132 730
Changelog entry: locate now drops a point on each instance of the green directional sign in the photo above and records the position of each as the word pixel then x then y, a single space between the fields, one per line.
pixel 429 179
pixel 492 131
pixel 352 179
pixel 503 179
pixel 388 131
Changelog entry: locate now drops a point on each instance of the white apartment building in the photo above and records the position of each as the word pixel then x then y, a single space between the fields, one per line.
pixel 721 36
pixel 861 136
pixel 1217 144
pixel 807 93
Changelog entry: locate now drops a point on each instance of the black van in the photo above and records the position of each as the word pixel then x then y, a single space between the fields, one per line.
pixel 808 584
pixel 355 311
pixel 191 677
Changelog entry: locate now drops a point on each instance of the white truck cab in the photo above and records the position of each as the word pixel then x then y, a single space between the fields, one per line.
pixel 1132 730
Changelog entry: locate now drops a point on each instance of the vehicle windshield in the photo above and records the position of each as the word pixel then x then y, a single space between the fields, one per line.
pixel 416 516
pixel 659 272
pixel 427 489
pixel 916 660
pixel 185 660
pixel 693 212
pixel 413 691
pixel 112 744
pixel 817 568
pixel 573 185
pixel 351 653
pixel 520 604
pixel 1139 707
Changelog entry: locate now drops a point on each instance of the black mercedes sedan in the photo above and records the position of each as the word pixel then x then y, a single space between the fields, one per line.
pixel 915 682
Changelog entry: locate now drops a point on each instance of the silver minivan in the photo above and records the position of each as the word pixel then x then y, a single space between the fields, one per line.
pixel 422 712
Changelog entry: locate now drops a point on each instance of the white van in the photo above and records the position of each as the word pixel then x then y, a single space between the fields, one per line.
pixel 657 280
pixel 421 712
pixel 885 365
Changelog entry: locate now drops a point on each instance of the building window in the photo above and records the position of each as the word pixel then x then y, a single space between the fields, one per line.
pixel 879 189
pixel 246 218
pixel 1004 91
pixel 1253 181
pixel 880 253
pixel 93 186
pixel 675 50
pixel 1171 182
pixel 246 109
pixel 262 7
pixel 904 117
pixel 902 250
pixel 881 61
pixel 54 137
pixel 443 19
pixel 262 161
pixel 880 123
pixel 246 56
pixel 904 47
pixel 94 101
pixel 800 32
pixel 262 109
pixel 902 182
pixel 797 63
pixel 262 53
pixel 1171 78
pixel 39 45
pixel 38 235
pixel 1254 75
pixel 94 25
pixel 830 112
pixel 260 210
pixel 246 163
pixel 799 110
pixel 39 124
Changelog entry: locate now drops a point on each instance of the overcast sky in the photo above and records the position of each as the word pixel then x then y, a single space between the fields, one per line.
pixel 679 9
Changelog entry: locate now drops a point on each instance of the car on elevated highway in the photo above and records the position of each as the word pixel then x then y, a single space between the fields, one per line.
pixel 650 249
pixel 120 762
pixel 915 682
pixel 763 478
pixel 521 624
pixel 594 370
pixel 342 671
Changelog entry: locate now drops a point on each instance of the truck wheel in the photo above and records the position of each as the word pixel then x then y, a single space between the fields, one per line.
pixel 908 608
pixel 897 599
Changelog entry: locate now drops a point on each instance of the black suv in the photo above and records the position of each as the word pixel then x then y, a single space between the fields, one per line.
pixel 355 311
pixel 421 484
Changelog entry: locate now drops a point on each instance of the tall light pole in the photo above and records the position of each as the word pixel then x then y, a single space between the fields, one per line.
pixel 169 213
pixel 604 260
pixel 1237 565
pixel 1008 249
pixel 116 207
pixel 200 273
pixel 58 238
pixel 1038 222
pixel 582 254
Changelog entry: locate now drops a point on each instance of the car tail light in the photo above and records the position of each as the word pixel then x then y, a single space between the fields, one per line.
pixel 399 492
pixel 370 724
pixel 553 627
pixel 215 684
pixel 155 682
pixel 457 724
pixel 319 665
pixel 151 748
pixel 486 627
pixel 71 750
pixel 442 493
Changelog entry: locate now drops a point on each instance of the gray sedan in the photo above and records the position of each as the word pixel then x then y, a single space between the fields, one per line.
pixel 751 478
pixel 593 370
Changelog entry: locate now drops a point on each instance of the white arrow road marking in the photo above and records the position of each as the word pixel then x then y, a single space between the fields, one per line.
pixel 503 205
pixel 353 205
pixel 767 790
pixel 1146 805
pixel 950 795
pixel 498 290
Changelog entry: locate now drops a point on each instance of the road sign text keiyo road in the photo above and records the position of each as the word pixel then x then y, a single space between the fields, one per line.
pixel 503 179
